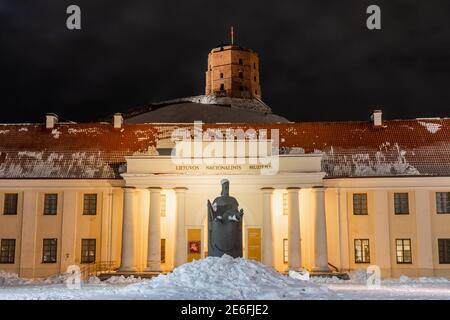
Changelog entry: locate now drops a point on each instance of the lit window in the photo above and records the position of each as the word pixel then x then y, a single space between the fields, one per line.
pixel 362 251
pixel 360 203
pixel 49 250
pixel 285 204
pixel 163 250
pixel 401 203
pixel 50 203
pixel 163 205
pixel 90 204
pixel 444 251
pixel 403 249
pixel 285 251
pixel 7 250
pixel 88 248
pixel 10 204
pixel 443 202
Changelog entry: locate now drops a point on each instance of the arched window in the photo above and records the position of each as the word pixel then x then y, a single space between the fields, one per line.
pixel 255 78
pixel 256 91
pixel 222 87
pixel 221 75
pixel 240 61
pixel 241 74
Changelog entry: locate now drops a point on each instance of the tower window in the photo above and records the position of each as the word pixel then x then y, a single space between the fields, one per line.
pixel 241 88
pixel 254 78
pixel 241 74
pixel 254 65
pixel 240 61
pixel 256 91
pixel 221 75
pixel 222 87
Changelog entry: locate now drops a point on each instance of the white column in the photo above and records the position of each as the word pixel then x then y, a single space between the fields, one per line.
pixel 128 261
pixel 268 249
pixel 180 234
pixel 154 231
pixel 294 247
pixel 319 228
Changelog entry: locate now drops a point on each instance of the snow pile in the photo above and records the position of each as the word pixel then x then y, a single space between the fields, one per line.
pixel 358 276
pixel 12 279
pixel 421 280
pixel 227 278
pixel 122 280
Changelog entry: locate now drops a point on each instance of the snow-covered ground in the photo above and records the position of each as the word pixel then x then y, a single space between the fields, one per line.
pixel 225 278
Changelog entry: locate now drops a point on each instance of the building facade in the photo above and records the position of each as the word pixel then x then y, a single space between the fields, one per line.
pixel 325 196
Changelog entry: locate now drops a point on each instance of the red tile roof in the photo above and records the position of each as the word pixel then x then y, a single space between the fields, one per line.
pixel 351 149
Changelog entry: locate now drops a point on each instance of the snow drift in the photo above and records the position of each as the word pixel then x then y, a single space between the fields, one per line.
pixel 227 278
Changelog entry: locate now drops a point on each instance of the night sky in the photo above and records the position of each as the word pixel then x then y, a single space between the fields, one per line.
pixel 318 59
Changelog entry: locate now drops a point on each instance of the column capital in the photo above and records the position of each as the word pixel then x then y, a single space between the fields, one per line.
pixel 180 189
pixel 154 189
pixel 129 189
pixel 267 189
pixel 293 189
pixel 318 189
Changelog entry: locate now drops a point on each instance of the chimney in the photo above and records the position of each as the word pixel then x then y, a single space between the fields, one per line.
pixel 377 118
pixel 118 120
pixel 51 120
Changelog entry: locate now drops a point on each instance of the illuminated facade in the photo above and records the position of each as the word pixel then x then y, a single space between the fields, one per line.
pixel 332 196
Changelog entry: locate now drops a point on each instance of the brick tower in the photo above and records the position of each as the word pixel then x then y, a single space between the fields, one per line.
pixel 233 71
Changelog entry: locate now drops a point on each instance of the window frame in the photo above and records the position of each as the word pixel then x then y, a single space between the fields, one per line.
pixel 6 204
pixel 403 240
pixel 50 208
pixel 285 204
pixel 358 204
pixel 87 205
pixel 162 209
pixel 442 203
pixel 363 253
pixel 10 258
pixel 163 250
pixel 445 248
pixel 90 243
pixel 52 250
pixel 399 210
pixel 285 250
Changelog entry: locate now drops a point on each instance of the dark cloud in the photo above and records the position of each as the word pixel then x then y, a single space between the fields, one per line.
pixel 319 62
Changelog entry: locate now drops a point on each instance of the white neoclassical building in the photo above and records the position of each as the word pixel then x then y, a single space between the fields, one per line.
pixel 127 193
pixel 344 195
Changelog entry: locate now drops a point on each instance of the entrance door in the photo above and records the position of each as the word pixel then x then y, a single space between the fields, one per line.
pixel 254 244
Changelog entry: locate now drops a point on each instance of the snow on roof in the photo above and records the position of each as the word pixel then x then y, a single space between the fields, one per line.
pixel 351 149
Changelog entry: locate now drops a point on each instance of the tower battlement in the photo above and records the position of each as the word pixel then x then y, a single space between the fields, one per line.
pixel 233 70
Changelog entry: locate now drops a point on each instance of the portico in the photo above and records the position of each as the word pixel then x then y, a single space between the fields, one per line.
pixel 267 223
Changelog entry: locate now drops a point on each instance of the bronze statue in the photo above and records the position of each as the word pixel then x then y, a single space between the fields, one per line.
pixel 224 225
